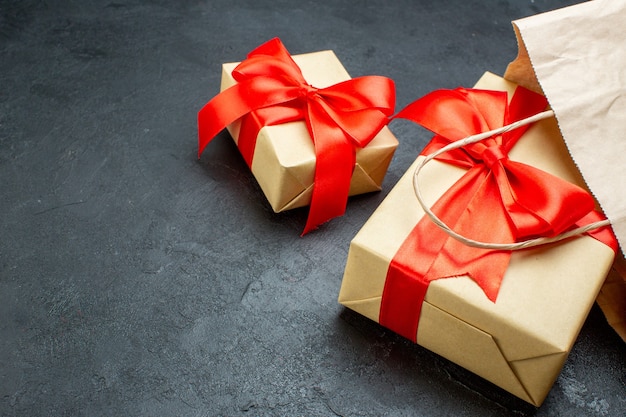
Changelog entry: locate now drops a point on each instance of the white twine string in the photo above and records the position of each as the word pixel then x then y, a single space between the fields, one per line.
pixel 487 245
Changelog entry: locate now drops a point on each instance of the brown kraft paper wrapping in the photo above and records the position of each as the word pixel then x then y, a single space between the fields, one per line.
pixel 576 57
pixel 521 341
pixel 284 157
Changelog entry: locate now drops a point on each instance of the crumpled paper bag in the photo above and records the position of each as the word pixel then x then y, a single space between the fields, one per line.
pixel 576 57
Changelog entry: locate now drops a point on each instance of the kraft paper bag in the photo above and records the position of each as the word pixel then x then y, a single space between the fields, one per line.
pixel 576 57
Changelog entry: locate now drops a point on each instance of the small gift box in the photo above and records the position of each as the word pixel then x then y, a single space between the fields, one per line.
pixel 510 317
pixel 310 134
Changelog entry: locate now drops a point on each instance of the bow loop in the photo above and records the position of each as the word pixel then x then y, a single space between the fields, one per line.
pixel 270 60
pixel 540 204
pixel 455 114
pixel 354 109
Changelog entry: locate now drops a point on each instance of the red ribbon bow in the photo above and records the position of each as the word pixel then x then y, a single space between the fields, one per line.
pixel 497 200
pixel 340 118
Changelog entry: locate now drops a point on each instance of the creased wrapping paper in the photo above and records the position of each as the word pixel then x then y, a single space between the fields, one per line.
pixel 577 57
pixel 521 341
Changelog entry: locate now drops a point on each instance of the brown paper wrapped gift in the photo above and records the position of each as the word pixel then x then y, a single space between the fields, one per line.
pixel 521 341
pixel 284 157
pixel 576 57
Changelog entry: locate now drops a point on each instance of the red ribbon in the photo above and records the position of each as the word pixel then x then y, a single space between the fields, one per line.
pixel 496 200
pixel 271 90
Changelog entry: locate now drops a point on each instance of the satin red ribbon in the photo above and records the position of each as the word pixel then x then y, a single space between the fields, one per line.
pixel 497 200
pixel 271 90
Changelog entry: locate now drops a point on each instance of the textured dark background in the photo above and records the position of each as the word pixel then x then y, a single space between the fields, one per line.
pixel 138 280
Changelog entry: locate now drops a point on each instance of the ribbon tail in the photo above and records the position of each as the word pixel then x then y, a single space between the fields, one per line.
pixel 334 165
pixel 222 110
pixel 237 101
pixel 603 234
pixel 486 267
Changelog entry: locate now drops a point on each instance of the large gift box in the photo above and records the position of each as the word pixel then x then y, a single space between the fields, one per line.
pixel 310 134
pixel 516 332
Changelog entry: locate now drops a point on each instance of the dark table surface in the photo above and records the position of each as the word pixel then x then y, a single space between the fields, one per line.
pixel 136 279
